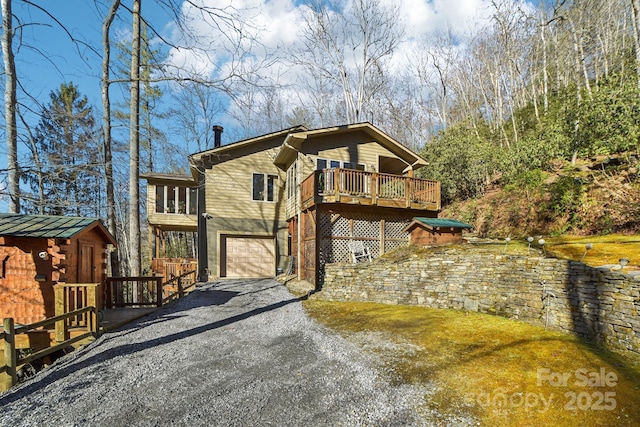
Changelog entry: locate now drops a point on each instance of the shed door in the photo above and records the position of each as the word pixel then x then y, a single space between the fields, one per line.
pixel 248 256
pixel 86 267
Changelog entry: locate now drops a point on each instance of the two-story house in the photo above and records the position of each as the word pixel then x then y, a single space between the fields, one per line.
pixel 294 199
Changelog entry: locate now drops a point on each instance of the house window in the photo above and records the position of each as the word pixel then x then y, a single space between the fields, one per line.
pixel 160 198
pixel 264 187
pixel 193 201
pixel 172 199
pixel 292 181
pixel 334 164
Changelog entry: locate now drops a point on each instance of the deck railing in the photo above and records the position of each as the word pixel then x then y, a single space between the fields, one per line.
pixel 328 185
pixel 71 297
pixel 144 291
pixel 178 286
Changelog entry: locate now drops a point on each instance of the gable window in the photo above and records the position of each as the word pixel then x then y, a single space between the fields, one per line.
pixel 172 199
pixel 264 187
pixel 334 164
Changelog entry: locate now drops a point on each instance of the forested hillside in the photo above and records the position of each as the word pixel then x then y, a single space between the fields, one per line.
pixel 556 149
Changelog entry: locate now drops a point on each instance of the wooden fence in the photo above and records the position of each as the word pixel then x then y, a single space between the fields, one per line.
pixel 76 309
pixel 178 286
pixel 11 359
pixel 145 291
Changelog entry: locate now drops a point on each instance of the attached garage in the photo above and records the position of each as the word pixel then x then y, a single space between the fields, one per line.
pixel 248 256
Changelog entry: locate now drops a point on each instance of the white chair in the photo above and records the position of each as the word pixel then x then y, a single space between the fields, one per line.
pixel 359 251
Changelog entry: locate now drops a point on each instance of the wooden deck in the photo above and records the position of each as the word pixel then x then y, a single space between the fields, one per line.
pixel 116 317
pixel 356 187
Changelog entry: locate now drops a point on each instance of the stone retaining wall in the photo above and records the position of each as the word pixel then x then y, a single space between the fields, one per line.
pixel 597 303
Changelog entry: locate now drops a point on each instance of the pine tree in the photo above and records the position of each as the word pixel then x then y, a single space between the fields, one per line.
pixel 65 154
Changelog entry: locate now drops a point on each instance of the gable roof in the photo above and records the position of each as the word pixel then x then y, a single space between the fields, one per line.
pixel 293 143
pixel 168 178
pixel 436 223
pixel 48 227
pixel 195 157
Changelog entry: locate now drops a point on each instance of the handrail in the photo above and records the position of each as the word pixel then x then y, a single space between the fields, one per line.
pixel 178 281
pixel 12 361
pixel 133 291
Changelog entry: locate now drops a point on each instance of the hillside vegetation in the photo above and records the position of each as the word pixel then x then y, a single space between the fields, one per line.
pixel 571 170
pixel 594 197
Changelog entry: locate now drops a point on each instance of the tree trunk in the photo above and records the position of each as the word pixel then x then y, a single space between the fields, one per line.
pixel 13 174
pixel 106 130
pixel 134 145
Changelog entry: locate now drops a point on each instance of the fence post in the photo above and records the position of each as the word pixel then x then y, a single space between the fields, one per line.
pixel 158 291
pixel 10 359
pixel 108 291
pixel 180 287
pixel 60 304
pixel 92 301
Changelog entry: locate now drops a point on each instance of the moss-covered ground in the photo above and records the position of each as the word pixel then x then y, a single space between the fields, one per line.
pixel 504 372
pixel 501 371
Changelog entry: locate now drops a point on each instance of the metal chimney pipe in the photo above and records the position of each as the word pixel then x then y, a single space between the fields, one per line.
pixel 217 138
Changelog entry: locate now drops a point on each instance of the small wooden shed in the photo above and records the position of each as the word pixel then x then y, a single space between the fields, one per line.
pixel 38 252
pixel 435 231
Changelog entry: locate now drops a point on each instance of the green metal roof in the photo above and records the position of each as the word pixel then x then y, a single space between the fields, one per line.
pixel 442 222
pixel 44 226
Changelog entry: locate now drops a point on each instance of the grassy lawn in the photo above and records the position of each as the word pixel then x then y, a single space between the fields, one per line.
pixel 501 371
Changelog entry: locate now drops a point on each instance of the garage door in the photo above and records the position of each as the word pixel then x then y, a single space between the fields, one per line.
pixel 250 256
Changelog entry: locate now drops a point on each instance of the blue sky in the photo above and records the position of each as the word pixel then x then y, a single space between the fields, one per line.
pixel 46 56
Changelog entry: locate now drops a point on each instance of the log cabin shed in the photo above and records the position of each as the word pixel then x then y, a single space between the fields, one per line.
pixel 436 231
pixel 38 252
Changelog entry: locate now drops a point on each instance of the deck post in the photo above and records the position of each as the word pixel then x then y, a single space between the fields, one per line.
pixel 374 188
pixel 407 192
pixel 10 359
pixel 92 301
pixel 60 304
pixel 158 291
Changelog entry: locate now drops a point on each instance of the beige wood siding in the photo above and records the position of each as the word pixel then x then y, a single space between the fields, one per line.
pixel 355 148
pixel 229 187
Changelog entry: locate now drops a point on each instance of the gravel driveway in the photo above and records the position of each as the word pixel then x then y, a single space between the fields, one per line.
pixel 232 353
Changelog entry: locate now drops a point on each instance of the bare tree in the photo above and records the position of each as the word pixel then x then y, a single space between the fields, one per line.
pixel 106 132
pixel 10 103
pixel 134 145
pixel 350 48
pixel 196 106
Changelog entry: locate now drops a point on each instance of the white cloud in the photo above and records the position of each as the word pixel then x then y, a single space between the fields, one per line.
pixel 275 24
